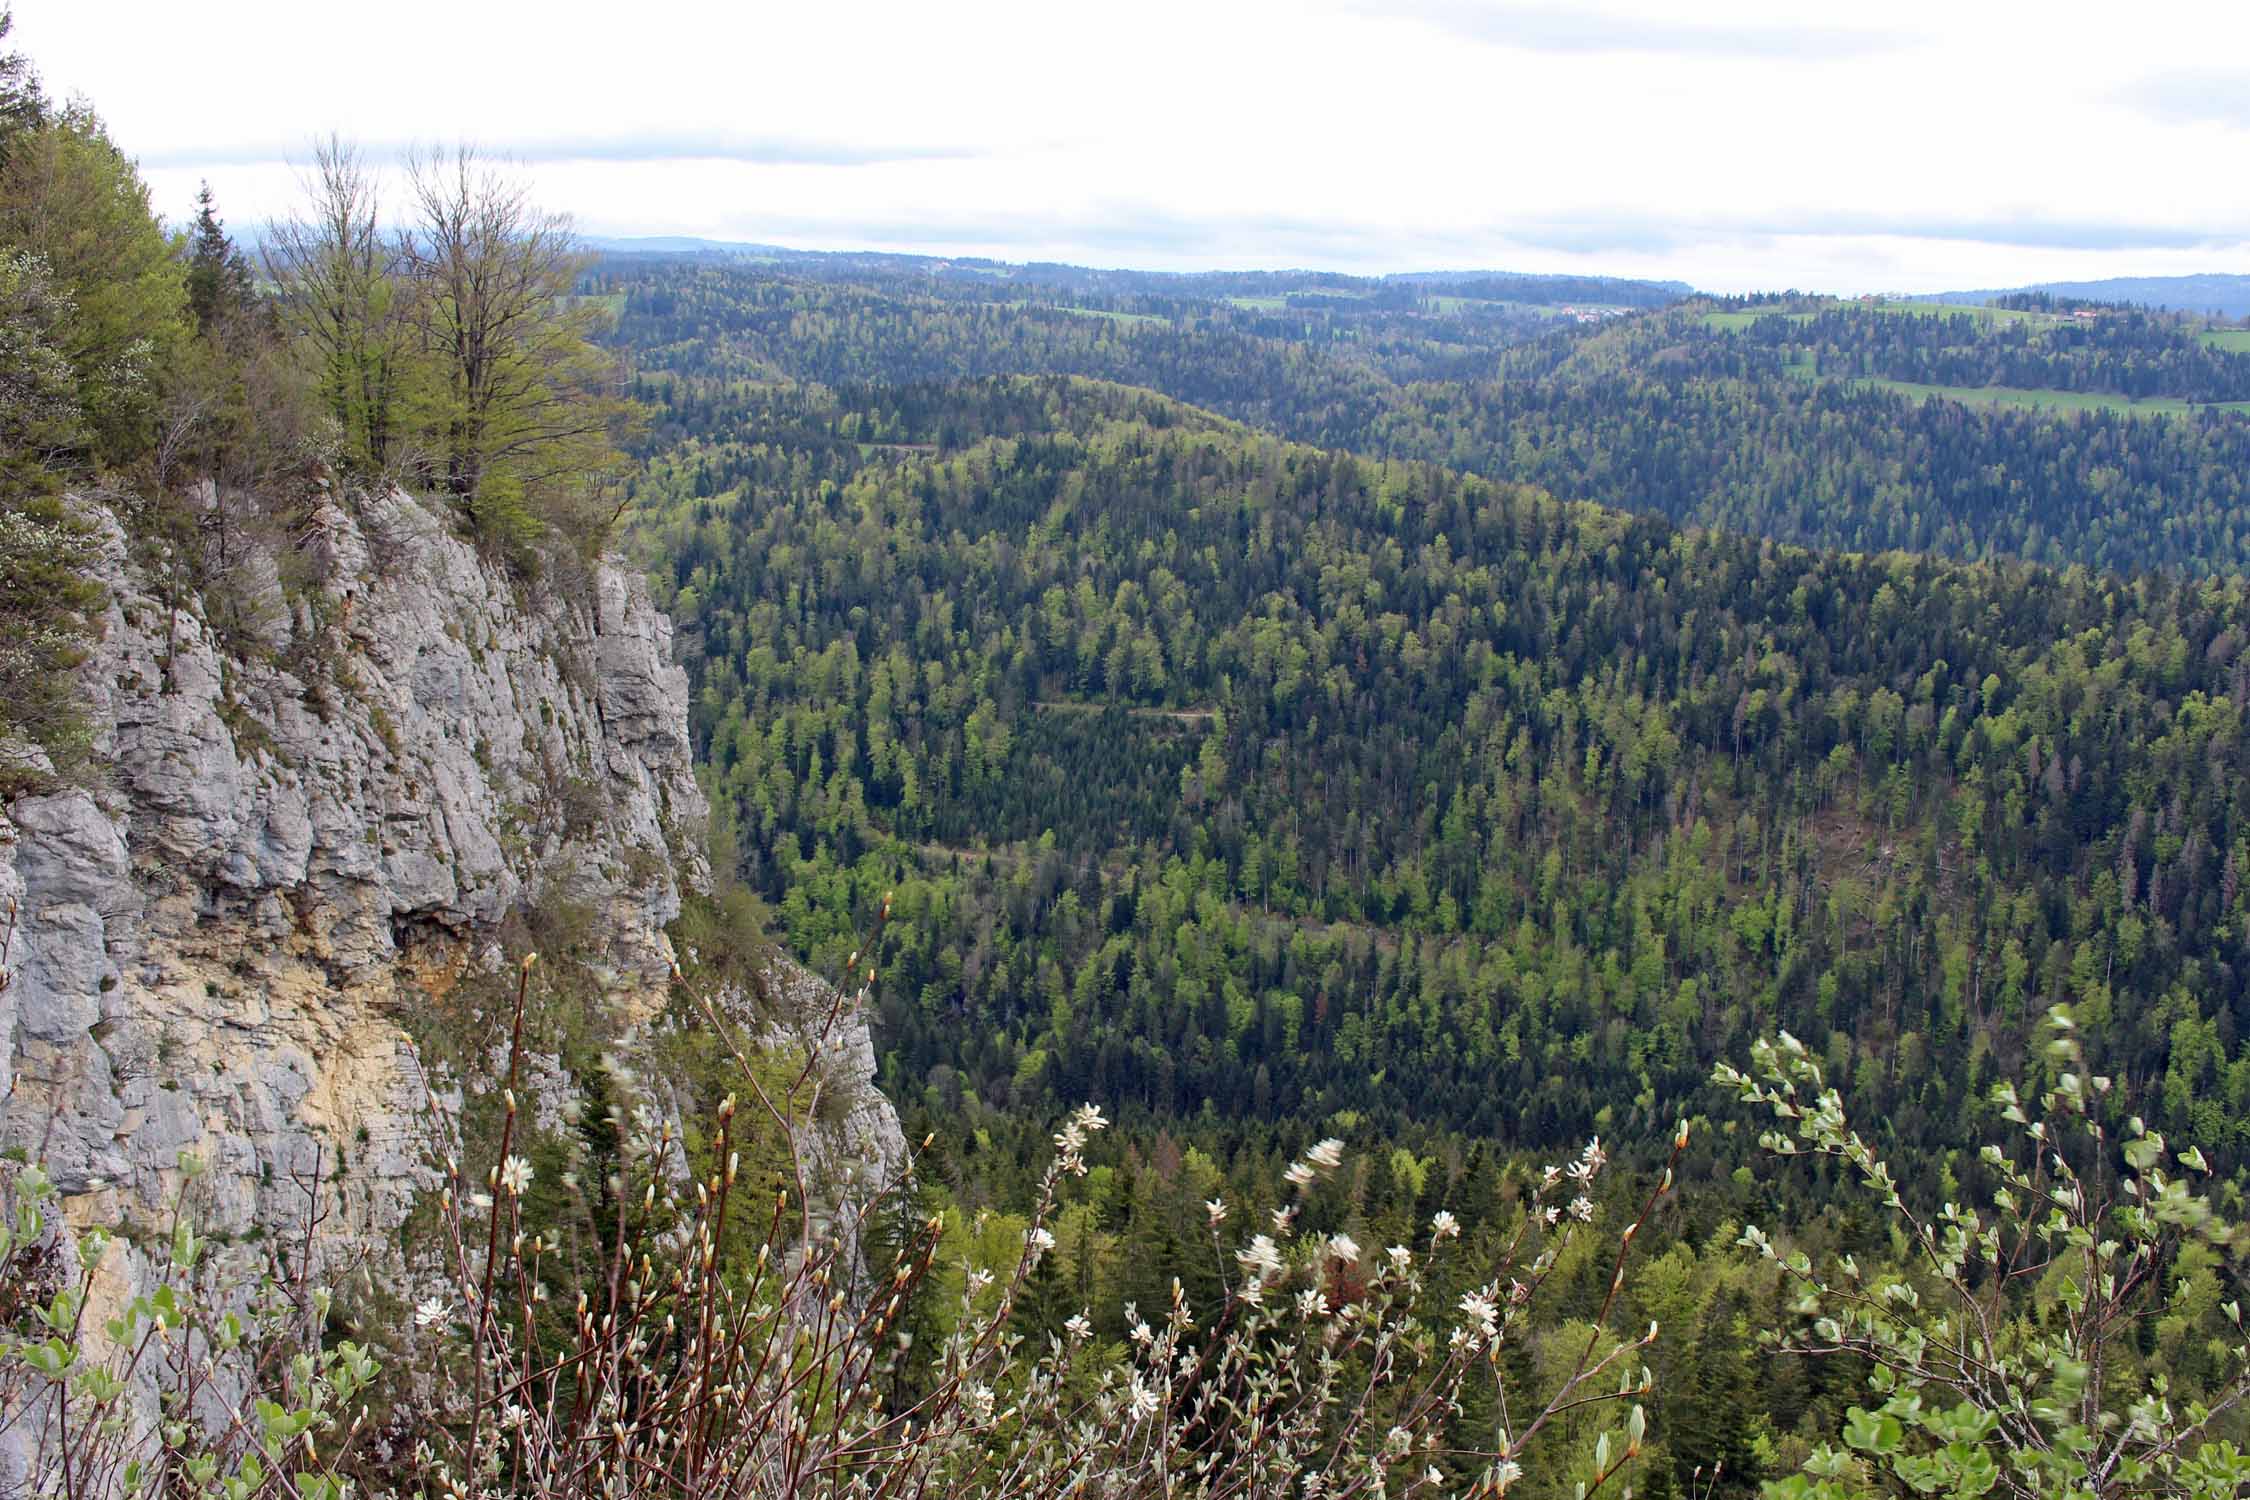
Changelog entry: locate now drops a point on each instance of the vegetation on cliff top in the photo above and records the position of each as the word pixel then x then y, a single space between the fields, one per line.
pixel 448 354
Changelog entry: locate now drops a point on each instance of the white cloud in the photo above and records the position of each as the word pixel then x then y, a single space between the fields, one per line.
pixel 1914 145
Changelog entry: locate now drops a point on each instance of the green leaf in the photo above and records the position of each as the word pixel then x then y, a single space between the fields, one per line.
pixel 1878 1433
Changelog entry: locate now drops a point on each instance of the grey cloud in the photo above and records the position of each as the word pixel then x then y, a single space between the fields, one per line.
pixel 2049 235
pixel 1120 233
pixel 1122 227
pixel 687 146
pixel 1545 28
pixel 1602 236
pixel 1625 231
pixel 2028 233
pixel 2191 98
pixel 1124 232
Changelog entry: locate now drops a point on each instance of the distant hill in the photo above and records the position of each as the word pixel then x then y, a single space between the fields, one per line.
pixel 2229 296
pixel 679 244
pixel 1496 286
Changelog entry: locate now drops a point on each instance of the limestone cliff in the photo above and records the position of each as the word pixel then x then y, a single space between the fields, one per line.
pixel 311 815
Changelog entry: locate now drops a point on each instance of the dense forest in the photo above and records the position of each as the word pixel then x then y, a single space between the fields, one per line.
pixel 1769 418
pixel 1388 786
pixel 1255 789
pixel 1292 782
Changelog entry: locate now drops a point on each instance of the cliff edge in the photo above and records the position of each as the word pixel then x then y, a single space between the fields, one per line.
pixel 320 805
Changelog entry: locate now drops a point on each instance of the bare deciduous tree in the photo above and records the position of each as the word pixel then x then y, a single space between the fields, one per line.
pixel 340 293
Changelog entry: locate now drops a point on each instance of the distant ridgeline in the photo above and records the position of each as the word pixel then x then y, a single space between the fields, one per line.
pixel 1236 783
pixel 1021 282
pixel 2222 296
pixel 2107 439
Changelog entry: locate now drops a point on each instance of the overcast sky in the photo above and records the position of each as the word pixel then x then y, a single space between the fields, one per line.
pixel 1735 144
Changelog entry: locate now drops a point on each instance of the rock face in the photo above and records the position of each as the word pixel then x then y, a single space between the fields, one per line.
pixel 854 1149
pixel 305 827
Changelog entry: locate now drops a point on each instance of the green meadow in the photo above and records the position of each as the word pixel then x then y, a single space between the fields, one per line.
pixel 2001 395
pixel 1735 322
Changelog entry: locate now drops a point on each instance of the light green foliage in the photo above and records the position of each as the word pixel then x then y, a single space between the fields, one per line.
pixel 2003 1347
pixel 44 596
pixel 516 401
pixel 39 416
pixel 340 300
pixel 68 195
pixel 251 1404
pixel 453 354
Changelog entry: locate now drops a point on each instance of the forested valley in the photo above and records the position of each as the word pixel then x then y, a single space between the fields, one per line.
pixel 1385 784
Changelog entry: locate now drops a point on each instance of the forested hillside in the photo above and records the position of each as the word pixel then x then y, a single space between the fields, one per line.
pixel 2040 346
pixel 1753 417
pixel 1316 783
pixel 1253 789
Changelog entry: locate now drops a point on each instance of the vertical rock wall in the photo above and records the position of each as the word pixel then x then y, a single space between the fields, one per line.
pixel 305 827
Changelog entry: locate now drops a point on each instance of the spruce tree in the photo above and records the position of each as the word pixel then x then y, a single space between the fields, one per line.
pixel 218 278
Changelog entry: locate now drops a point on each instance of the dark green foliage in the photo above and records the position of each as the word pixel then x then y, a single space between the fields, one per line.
pixel 1658 412
pixel 1261 792
pixel 1312 785
pixel 219 285
pixel 23 103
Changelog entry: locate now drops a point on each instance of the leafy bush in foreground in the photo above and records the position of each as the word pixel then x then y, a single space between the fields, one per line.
pixel 2004 1352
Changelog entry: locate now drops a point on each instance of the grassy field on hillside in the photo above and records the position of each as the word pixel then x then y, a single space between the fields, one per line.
pixel 1982 314
pixel 1735 322
pixel 1093 312
pixel 2231 340
pixel 1800 364
pixel 1450 305
pixel 2001 395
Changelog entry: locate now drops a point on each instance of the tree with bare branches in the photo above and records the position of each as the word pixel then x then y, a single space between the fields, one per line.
pixel 343 297
pixel 524 409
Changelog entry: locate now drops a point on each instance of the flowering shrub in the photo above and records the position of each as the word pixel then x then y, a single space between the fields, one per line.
pixel 684 1368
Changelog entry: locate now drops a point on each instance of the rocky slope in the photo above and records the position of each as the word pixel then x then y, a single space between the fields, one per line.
pixel 308 828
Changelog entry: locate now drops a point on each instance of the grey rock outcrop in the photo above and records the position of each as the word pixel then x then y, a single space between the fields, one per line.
pixel 305 830
pixel 855 1147
pixel 298 836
